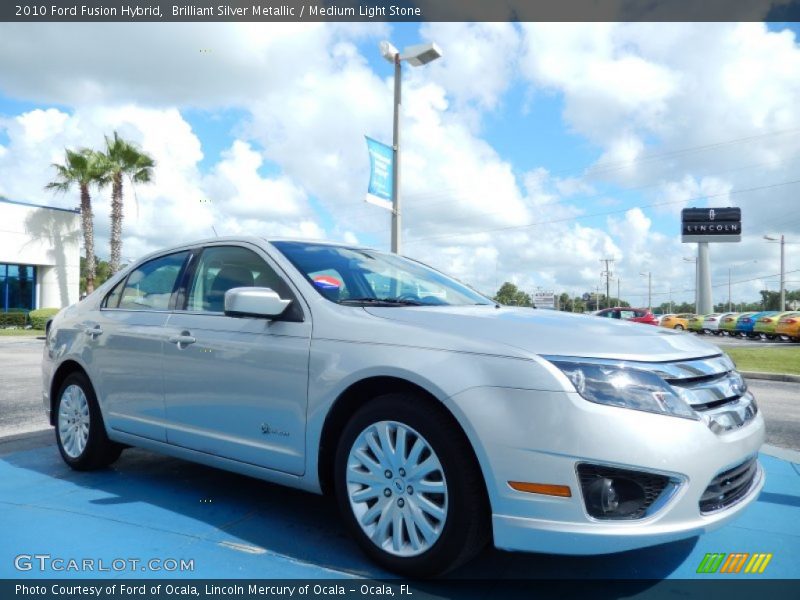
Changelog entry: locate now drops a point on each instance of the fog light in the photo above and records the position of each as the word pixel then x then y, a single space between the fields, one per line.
pixel 612 493
pixel 602 496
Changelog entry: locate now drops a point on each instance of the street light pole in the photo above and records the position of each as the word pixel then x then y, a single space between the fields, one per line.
pixel 416 56
pixel 649 289
pixel 729 289
pixel 396 162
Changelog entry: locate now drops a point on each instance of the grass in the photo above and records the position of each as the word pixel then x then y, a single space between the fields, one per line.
pixel 21 332
pixel 767 360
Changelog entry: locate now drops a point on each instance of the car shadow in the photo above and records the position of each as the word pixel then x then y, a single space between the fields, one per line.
pixel 207 503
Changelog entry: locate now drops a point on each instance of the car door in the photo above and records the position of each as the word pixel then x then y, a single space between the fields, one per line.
pixel 124 346
pixel 237 387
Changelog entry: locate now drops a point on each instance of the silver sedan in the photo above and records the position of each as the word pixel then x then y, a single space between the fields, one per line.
pixel 439 419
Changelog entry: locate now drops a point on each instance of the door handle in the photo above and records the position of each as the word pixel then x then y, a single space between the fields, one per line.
pixel 93 332
pixel 182 340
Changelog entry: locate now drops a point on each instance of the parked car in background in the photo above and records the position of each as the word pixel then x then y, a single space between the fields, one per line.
pixel 438 424
pixel 746 323
pixel 636 315
pixel 695 323
pixel 728 324
pixel 766 325
pixel 711 323
pixel 662 317
pixel 679 321
pixel 789 325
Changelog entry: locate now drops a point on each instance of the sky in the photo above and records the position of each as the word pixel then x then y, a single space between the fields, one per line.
pixel 529 151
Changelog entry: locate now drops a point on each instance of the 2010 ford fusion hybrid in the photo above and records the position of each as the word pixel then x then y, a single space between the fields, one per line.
pixel 439 420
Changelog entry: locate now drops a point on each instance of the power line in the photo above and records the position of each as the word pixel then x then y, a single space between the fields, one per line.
pixel 718 285
pixel 604 213
pixel 450 190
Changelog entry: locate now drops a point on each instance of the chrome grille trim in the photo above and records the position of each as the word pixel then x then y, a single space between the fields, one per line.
pixel 730 487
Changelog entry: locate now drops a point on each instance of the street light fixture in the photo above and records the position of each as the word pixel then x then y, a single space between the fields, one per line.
pixel 783 272
pixel 416 56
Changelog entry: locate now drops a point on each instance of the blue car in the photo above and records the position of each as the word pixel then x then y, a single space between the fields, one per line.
pixel 745 325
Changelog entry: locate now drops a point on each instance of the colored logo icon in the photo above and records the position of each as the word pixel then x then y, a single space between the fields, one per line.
pixel 736 562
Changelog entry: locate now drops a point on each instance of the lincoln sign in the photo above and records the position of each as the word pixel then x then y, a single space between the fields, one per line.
pixel 711 224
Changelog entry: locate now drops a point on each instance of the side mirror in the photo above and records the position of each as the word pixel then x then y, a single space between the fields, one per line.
pixel 254 302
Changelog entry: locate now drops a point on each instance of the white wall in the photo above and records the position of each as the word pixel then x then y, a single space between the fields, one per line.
pixel 49 239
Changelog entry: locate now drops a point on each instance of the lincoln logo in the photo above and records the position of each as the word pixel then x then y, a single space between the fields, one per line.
pixel 711 215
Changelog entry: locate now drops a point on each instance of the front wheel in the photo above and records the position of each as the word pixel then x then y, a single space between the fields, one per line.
pixel 80 433
pixel 678 327
pixel 409 488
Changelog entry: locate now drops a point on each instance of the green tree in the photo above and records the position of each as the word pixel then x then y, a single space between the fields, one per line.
pixel 81 168
pixel 511 295
pixel 101 276
pixel 122 159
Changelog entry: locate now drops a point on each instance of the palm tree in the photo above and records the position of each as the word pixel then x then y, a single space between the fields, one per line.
pixel 122 158
pixel 81 168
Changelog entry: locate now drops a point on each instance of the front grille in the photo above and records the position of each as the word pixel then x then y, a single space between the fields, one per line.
pixel 714 390
pixel 651 486
pixel 730 486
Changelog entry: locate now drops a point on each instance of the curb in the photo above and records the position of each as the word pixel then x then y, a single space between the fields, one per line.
pixel 793 456
pixel 771 376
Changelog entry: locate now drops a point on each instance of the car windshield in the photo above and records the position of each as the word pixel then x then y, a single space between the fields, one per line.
pixel 360 277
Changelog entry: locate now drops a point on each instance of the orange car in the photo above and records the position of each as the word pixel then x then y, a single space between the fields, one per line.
pixel 789 325
pixel 679 321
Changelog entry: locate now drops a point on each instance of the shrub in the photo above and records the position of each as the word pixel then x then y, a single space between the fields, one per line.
pixel 14 318
pixel 38 318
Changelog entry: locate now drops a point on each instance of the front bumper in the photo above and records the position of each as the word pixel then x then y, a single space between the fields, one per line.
pixel 541 437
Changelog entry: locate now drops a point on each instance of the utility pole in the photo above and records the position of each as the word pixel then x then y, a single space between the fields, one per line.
pixel 782 306
pixel 607 275
pixel 619 298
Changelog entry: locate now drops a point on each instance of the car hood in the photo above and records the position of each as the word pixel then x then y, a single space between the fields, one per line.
pixel 548 332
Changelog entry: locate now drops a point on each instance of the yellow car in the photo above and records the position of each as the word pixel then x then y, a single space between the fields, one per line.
pixel 679 321
pixel 789 325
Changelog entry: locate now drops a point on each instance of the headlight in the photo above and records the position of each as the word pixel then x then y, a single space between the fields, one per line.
pixel 624 387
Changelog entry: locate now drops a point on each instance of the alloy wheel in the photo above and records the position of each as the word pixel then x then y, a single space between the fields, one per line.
pixel 397 488
pixel 73 421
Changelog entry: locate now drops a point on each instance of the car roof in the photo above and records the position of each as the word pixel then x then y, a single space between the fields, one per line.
pixel 252 239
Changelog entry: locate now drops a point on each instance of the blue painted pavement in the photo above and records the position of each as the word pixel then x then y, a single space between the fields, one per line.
pixel 152 507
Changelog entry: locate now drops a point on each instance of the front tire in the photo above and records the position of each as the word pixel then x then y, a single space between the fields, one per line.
pixel 678 328
pixel 80 432
pixel 408 487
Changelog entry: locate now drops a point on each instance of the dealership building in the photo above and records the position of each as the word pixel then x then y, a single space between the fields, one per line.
pixel 39 256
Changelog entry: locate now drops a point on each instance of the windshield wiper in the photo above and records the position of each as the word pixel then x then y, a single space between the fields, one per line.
pixel 381 301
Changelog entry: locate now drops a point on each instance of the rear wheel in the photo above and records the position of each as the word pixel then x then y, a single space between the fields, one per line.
pixel 80 433
pixel 678 327
pixel 408 487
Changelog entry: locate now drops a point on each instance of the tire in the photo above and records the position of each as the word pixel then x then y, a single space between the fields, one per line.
pixel 678 328
pixel 426 545
pixel 80 432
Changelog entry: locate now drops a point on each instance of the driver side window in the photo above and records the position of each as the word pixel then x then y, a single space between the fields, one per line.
pixel 222 268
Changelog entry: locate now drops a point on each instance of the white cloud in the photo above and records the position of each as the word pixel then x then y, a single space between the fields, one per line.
pixel 641 93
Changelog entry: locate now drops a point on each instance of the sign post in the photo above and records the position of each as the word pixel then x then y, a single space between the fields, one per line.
pixel 544 299
pixel 704 225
